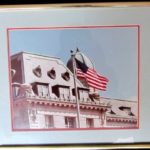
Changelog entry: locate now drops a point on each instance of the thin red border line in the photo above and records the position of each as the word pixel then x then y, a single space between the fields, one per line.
pixel 59 129
pixel 71 27
pixel 138 76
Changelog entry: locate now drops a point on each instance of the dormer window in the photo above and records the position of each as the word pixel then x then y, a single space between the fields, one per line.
pixel 52 73
pixel 83 95
pixel 66 76
pixel 127 110
pixel 41 89
pixel 61 91
pixel 37 71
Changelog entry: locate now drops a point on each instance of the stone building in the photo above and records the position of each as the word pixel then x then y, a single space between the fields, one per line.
pixel 43 97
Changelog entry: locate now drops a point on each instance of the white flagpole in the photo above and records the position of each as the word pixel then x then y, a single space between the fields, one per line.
pixel 76 90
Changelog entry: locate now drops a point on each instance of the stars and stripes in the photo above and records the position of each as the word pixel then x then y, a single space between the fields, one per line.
pixel 92 78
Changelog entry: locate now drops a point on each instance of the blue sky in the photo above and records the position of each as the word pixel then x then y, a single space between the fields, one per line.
pixel 114 52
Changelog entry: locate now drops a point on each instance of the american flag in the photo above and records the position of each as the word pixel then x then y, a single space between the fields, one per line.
pixel 92 78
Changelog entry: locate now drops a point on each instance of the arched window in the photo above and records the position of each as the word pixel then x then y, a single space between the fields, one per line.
pixel 52 73
pixel 66 76
pixel 37 71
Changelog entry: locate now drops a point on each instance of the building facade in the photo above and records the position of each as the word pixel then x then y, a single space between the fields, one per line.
pixel 43 97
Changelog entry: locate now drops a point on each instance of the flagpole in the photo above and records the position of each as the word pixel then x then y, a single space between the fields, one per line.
pixel 76 90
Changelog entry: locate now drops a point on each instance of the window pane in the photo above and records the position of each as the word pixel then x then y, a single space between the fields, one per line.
pixel 15 91
pixel 70 122
pixel 83 95
pixel 64 93
pixel 86 95
pixel 61 91
pixel 39 90
pixel 89 123
pixel 49 123
pixel 43 90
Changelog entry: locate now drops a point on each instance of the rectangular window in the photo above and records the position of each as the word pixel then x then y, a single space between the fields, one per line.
pixel 49 121
pixel 15 90
pixel 81 95
pixel 64 93
pixel 84 95
pixel 43 90
pixel 70 122
pixel 89 123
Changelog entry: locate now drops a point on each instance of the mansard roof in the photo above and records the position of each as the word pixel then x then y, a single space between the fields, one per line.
pixel 44 64
pixel 124 108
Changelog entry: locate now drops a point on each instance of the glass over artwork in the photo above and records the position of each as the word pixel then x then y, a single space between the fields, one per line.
pixel 71 78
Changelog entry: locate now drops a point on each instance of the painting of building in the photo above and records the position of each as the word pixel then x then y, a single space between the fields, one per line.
pixel 44 97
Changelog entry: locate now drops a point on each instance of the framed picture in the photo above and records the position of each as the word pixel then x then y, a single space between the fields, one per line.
pixel 74 75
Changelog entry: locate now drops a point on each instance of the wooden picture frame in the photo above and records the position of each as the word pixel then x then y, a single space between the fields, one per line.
pixel 56 101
